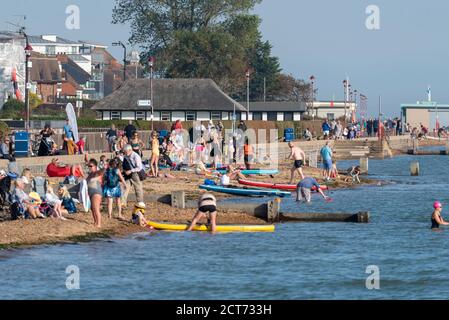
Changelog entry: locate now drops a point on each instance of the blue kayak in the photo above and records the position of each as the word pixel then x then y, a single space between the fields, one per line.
pixel 253 192
pixel 255 172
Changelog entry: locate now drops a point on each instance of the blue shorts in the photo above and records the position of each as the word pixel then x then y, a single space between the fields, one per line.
pixel 327 164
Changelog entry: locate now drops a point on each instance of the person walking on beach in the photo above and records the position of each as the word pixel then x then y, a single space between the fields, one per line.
pixel 112 189
pixel 326 155
pixel 304 190
pixel 206 204
pixel 326 129
pixel 437 219
pixel 133 167
pixel 95 190
pixel 299 157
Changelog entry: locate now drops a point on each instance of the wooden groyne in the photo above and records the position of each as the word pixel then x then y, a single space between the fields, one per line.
pixel 270 211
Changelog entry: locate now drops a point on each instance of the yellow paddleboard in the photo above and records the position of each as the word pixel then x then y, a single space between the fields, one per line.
pixel 220 228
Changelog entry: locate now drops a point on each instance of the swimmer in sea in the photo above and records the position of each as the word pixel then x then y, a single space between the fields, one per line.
pixel 437 219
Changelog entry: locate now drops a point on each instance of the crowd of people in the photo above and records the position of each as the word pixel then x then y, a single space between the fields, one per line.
pixel 365 128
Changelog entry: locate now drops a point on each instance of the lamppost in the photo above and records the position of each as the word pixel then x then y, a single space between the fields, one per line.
pixel 345 87
pixel 116 44
pixel 312 95
pixel 28 50
pixel 248 75
pixel 151 65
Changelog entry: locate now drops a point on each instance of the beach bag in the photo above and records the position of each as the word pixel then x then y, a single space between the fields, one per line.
pixel 39 185
pixel 16 211
pixel 209 182
pixel 112 178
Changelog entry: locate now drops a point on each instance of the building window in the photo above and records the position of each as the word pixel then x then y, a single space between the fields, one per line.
pixel 190 116
pixel 331 116
pixel 288 116
pixel 140 115
pixel 165 116
pixel 115 115
pixel 257 116
pixel 215 115
pixel 272 116
pixel 50 50
pixel 99 115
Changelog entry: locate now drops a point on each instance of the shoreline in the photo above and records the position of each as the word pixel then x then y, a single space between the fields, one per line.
pixel 79 227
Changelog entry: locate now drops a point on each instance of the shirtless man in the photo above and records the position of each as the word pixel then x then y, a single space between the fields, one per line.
pixel 299 157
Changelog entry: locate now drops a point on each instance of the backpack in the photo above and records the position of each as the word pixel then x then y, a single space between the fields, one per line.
pixel 112 178
pixel 39 185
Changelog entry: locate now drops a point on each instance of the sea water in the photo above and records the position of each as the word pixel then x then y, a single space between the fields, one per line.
pixel 298 261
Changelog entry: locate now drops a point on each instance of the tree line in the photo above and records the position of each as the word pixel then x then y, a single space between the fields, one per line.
pixel 217 39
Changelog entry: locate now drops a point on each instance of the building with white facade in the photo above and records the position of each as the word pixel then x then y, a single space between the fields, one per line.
pixel 12 59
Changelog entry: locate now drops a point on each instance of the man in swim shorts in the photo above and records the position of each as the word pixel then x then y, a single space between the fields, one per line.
pixel 299 157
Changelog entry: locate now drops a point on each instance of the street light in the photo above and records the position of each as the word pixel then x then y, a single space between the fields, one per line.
pixel 28 50
pixel 151 61
pixel 345 87
pixel 117 44
pixel 248 76
pixel 312 96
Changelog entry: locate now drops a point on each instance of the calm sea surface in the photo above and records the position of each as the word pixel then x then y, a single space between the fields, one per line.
pixel 298 261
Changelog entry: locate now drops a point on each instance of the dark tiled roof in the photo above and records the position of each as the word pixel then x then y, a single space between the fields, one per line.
pixel 277 106
pixel 45 69
pixel 78 74
pixel 170 94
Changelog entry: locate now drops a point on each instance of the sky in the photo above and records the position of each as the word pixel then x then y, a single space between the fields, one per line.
pixel 325 38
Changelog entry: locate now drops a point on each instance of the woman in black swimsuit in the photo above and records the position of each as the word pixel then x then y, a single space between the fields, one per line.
pixel 437 219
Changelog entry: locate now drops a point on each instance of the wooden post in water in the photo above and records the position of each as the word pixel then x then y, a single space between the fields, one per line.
pixel 178 199
pixel 363 217
pixel 273 210
pixel 414 169
pixel 364 165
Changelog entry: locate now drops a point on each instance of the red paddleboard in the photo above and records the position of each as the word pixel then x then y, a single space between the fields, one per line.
pixel 276 186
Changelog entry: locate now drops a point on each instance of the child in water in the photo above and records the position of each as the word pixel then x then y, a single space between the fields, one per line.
pixel 437 219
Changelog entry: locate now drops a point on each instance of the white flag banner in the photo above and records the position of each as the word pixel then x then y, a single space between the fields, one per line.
pixel 71 115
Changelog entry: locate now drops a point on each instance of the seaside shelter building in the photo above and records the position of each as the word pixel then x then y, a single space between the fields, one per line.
pixel 174 99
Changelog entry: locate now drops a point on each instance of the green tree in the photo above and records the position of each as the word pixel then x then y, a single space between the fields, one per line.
pixel 216 39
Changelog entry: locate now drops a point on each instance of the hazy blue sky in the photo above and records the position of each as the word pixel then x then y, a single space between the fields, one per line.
pixel 326 38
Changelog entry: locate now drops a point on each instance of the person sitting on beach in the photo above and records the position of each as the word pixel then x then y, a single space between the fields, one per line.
pixel 57 169
pixel 26 203
pixel 437 219
pixel 138 217
pixel 67 202
pixel 304 190
pixel 235 174
pixel 206 204
pixel 201 169
pixel 27 179
pixel 53 200
pixel 298 155
pixel 353 173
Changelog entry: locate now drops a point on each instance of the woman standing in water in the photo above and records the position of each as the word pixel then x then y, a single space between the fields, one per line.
pixel 437 219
